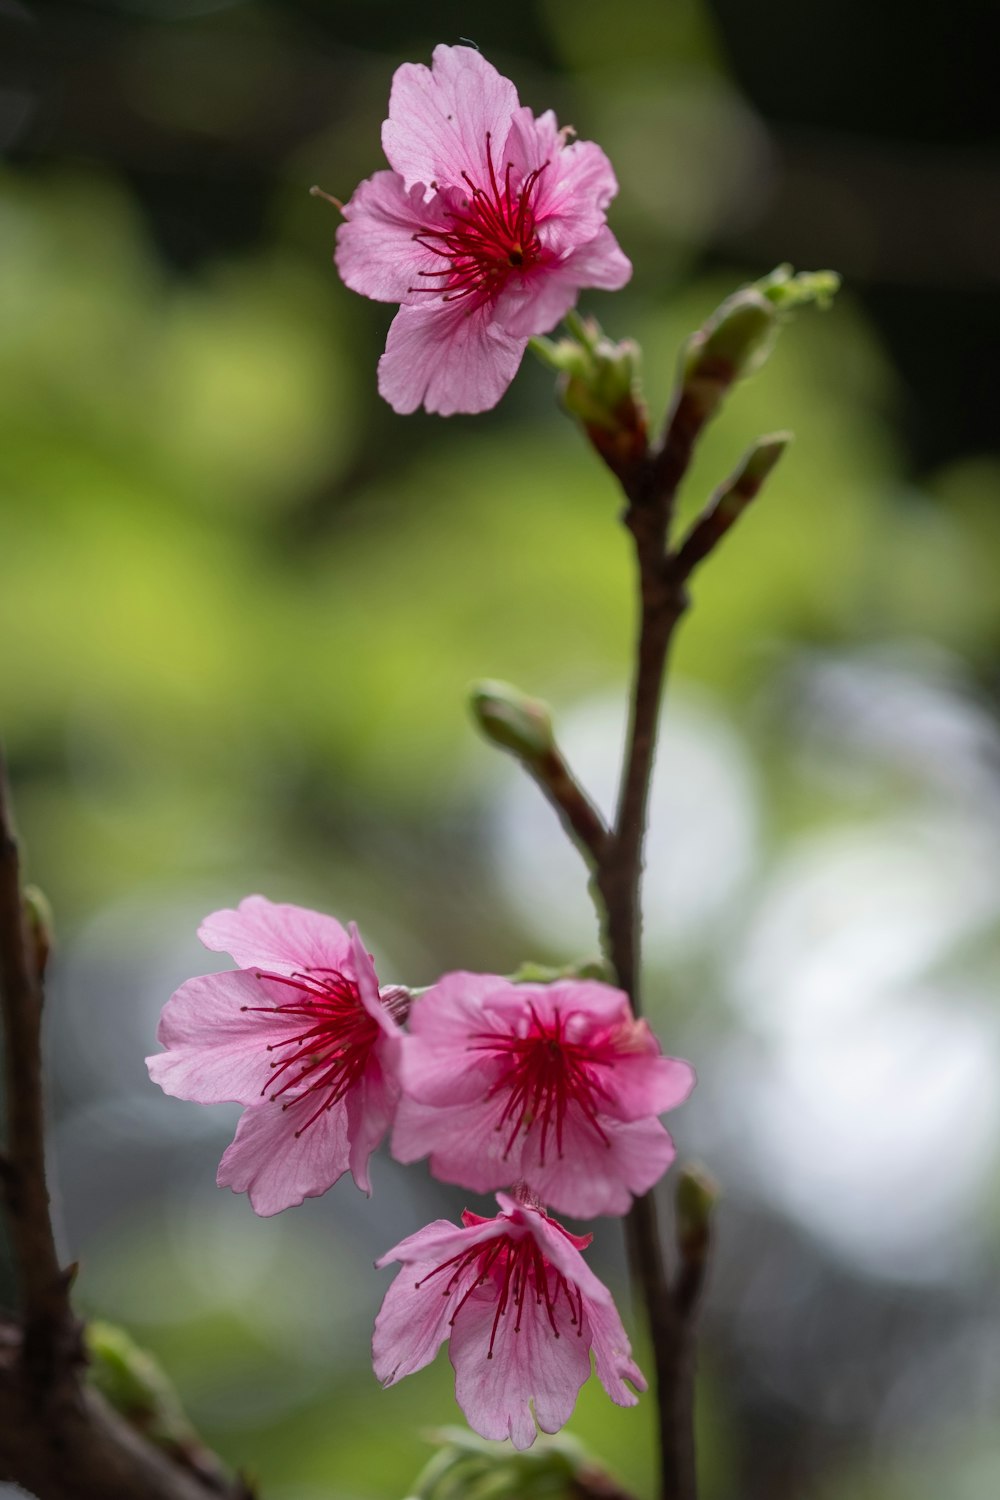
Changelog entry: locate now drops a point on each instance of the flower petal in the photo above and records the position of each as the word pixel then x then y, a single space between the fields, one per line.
pixel 378 253
pixel 277 1168
pixel 529 1364
pixel 640 1085
pixel 612 1352
pixel 536 302
pixel 263 934
pixel 412 1324
pixel 595 1175
pixel 440 117
pixel 217 1038
pixel 437 1064
pixel 449 357
pixel 371 1105
pixel 576 182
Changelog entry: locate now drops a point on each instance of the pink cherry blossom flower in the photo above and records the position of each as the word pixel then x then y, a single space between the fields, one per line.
pixel 301 1035
pixel 522 1311
pixel 555 1084
pixel 485 231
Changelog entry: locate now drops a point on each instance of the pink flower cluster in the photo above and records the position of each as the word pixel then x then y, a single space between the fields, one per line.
pixel 485 230
pixel 553 1090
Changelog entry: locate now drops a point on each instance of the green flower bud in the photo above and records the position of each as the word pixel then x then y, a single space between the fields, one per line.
pixel 512 720
pixel 468 1468
pixel 138 1388
pixel 695 1197
pixel 599 386
pixel 740 334
pixel 588 968
pixel 40 923
pixel 735 341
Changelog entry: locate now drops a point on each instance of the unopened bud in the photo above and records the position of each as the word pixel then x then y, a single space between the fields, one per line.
pixel 788 289
pixel 739 335
pixel 734 342
pixel 599 385
pixel 512 720
pixel 586 968
pixel 38 916
pixel 136 1385
pixel 695 1198
pixel 469 1466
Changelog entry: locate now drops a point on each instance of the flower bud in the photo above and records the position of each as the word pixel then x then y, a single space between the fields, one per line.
pixel 469 1466
pixel 734 342
pixel 39 922
pixel 739 335
pixel 695 1198
pixel 512 720
pixel 599 386
pixel 138 1388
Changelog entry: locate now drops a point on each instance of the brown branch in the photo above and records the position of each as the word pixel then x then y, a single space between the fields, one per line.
pixel 50 1332
pixel 58 1438
pixel 727 505
pixel 81 1449
pixel 578 815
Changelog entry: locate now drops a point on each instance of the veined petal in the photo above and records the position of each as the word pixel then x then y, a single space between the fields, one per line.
pixel 370 1108
pixel 613 1353
pixel 262 934
pixel 440 117
pixel 450 357
pixel 596 1174
pixel 642 1085
pixel 217 1028
pixel 276 1167
pixel 378 253
pixel 576 182
pixel 530 1364
pixel 536 302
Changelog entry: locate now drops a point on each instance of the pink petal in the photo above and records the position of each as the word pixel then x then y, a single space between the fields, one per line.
pixel 217 1043
pixel 286 939
pixel 576 185
pixel 370 1106
pixel 411 1325
pixel 537 303
pixel 612 1352
pixel 642 1085
pixel 439 117
pixel 585 1005
pixel 276 1168
pixel 449 357
pixel 377 252
pixel 528 1366
pixel 438 1242
pixel 463 1143
pixel 436 1064
pixel 593 1176
pixel 366 979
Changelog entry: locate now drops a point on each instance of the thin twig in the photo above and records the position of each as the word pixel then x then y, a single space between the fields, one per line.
pixel 727 505
pixel 578 815
pixel 49 1325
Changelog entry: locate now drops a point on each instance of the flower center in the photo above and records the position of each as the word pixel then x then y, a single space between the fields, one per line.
pixel 491 237
pixel 324 1060
pixel 521 1275
pixel 544 1076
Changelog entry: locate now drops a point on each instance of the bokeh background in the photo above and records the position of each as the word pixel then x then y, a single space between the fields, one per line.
pixel 240 602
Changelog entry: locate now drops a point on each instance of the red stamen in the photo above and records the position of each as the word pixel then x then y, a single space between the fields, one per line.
pixel 520 1273
pixel 329 1056
pixel 545 1077
pixel 491 239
